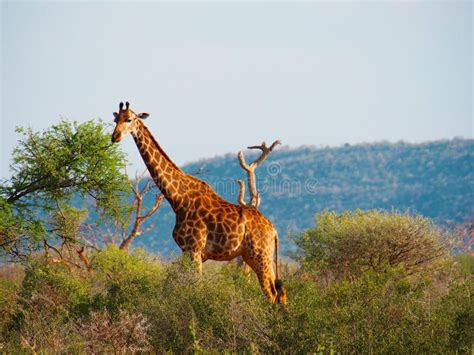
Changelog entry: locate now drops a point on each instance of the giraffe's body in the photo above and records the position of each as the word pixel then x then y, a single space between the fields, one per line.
pixel 207 226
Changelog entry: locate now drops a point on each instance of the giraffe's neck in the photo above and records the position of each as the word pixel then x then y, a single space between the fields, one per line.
pixel 171 181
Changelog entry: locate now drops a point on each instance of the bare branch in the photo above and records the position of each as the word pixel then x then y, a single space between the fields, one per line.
pixel 241 197
pixel 242 161
pixel 158 200
pixel 265 151
pixel 138 205
pixel 123 231
pixel 250 170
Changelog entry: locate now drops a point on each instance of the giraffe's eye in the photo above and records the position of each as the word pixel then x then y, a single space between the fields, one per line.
pixel 128 120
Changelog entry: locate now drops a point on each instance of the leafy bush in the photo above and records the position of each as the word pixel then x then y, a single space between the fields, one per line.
pixel 348 244
pixel 466 264
pixel 124 281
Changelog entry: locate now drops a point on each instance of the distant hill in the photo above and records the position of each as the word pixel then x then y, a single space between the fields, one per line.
pixel 435 179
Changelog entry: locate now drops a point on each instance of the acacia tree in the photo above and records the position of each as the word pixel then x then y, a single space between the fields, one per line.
pixel 56 174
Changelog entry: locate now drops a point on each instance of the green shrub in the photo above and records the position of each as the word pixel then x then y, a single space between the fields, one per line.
pixel 124 281
pixel 466 264
pixel 132 303
pixel 10 284
pixel 218 311
pixel 348 244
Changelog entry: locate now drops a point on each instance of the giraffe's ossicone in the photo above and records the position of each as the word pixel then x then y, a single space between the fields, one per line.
pixel 207 226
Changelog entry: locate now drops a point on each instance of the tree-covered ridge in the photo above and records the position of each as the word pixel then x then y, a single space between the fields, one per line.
pixel 435 179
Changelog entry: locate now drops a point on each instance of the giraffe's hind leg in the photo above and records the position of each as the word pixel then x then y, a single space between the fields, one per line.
pixel 263 269
pixel 267 283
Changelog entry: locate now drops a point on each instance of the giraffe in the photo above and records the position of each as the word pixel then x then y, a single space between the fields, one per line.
pixel 207 226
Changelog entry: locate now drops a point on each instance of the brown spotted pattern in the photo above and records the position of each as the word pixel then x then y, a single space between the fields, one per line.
pixel 207 226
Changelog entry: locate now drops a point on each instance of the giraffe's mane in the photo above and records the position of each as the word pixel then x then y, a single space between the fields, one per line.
pixel 158 147
pixel 208 189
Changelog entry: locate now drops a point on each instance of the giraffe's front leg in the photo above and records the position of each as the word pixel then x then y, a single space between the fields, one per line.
pixel 196 257
pixel 191 238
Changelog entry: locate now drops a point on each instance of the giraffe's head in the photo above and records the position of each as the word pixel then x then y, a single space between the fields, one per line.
pixel 125 122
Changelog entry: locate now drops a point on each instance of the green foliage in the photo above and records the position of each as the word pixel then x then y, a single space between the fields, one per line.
pixel 348 315
pixel 66 221
pixel 125 280
pixel 49 169
pixel 131 302
pixel 466 263
pixel 8 298
pixel 379 313
pixel 348 244
pixel 67 158
pixel 454 316
pixel 213 313
pixel 18 231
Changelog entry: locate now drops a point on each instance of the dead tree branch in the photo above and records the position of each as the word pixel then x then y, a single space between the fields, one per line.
pixel 124 230
pixel 250 170
pixel 139 218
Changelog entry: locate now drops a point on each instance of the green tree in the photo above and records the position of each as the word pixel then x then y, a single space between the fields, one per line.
pixel 56 173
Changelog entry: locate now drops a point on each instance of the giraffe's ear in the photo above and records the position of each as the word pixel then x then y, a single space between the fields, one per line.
pixel 116 114
pixel 143 115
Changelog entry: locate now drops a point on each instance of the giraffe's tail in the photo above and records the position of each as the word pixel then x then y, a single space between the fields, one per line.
pixel 281 291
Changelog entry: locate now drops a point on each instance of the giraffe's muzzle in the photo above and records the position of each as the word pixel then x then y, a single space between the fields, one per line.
pixel 116 138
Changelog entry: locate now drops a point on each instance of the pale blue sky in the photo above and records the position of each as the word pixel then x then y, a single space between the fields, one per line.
pixel 218 77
